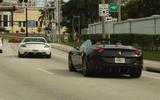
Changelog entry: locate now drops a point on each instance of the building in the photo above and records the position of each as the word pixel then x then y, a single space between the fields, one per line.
pixel 9 12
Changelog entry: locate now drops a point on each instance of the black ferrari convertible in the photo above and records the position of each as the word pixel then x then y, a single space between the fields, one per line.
pixel 93 58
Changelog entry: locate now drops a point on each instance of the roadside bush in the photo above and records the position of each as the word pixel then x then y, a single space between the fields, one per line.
pixel 15 40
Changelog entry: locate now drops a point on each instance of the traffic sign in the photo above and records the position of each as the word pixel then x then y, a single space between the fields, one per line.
pixel 103 10
pixel 113 7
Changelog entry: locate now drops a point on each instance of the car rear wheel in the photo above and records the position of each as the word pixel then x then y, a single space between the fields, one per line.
pixel 1 51
pixel 136 73
pixel 70 65
pixel 49 56
pixel 85 69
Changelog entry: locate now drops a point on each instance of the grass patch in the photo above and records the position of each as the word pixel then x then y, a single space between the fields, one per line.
pixel 152 55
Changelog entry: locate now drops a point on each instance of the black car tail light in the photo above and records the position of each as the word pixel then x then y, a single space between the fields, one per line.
pixel 100 50
pixel 138 52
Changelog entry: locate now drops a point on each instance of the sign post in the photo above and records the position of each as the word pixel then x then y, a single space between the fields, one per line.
pixel 103 11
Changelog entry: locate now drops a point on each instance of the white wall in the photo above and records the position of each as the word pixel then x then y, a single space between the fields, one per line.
pixel 148 25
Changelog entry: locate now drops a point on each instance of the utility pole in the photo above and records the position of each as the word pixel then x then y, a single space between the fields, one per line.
pixel 24 4
pixel 59 19
pixel 103 25
pixel 79 25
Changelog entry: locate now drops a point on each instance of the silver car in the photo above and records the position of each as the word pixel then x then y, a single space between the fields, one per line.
pixel 34 46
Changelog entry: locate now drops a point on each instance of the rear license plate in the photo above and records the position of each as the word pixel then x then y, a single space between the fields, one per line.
pixel 119 60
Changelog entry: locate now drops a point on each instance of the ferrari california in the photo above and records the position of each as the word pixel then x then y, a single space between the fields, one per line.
pixel 92 58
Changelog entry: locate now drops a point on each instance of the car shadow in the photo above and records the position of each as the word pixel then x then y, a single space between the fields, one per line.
pixel 33 57
pixel 110 76
pixel 78 74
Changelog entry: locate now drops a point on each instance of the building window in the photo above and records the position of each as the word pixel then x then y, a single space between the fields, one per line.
pixel 24 23
pixel 5 18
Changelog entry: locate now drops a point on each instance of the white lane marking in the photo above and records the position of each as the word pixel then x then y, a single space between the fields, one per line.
pixel 152 75
pixel 43 70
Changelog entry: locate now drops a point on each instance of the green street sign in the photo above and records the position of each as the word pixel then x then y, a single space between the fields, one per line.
pixel 113 7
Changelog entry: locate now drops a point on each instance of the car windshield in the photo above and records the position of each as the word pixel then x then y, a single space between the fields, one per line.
pixel 86 44
pixel 34 40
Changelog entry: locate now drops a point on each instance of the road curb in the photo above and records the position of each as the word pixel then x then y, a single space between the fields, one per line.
pixel 152 69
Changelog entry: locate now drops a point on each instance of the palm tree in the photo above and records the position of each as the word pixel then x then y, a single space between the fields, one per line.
pixel 46 19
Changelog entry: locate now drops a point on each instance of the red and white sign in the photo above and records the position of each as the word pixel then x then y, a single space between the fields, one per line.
pixel 104 10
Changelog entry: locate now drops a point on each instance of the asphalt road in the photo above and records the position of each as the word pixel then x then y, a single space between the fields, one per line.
pixel 49 79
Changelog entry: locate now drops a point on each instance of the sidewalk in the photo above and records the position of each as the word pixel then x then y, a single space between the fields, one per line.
pixel 153 66
pixel 149 65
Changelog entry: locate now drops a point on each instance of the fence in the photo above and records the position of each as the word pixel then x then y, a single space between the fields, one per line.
pixel 147 25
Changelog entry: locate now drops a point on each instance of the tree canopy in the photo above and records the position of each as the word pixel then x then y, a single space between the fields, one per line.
pixel 142 8
pixel 22 1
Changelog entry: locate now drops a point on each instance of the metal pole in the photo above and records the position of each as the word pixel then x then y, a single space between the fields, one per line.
pixel 12 20
pixel 79 23
pixel 26 21
pixel 109 36
pixel 103 25
pixel 119 12
pixel 73 25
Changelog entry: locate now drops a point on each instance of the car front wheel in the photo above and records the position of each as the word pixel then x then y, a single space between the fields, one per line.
pixel 85 69
pixel 49 56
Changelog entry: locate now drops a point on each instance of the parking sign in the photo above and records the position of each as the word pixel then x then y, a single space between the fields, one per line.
pixel 31 23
